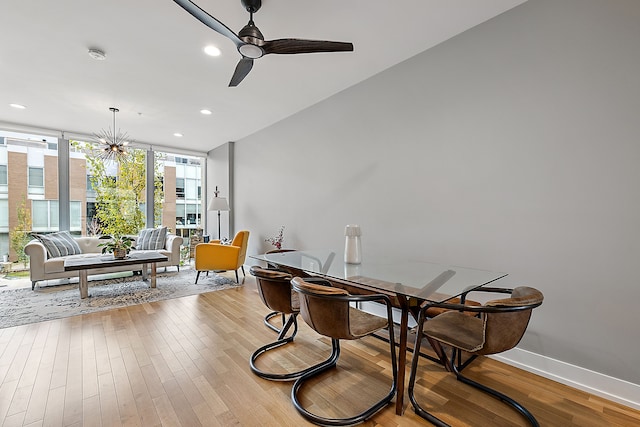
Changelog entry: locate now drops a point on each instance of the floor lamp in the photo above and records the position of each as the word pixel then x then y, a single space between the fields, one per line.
pixel 218 204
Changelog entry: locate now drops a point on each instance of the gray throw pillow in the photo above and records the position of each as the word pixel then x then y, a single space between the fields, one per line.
pixel 151 238
pixel 59 244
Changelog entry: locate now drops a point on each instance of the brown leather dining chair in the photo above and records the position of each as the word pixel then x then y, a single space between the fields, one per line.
pixel 498 327
pixel 274 288
pixel 269 316
pixel 327 310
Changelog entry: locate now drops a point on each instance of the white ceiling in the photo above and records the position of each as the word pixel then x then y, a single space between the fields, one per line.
pixel 159 78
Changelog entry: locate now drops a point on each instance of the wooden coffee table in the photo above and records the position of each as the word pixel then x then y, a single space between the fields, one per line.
pixel 82 265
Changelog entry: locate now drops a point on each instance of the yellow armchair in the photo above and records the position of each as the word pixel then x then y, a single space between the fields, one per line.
pixel 213 256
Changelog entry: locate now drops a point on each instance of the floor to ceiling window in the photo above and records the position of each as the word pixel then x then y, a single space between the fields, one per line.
pixel 182 183
pixel 28 185
pixel 99 190
pixel 114 190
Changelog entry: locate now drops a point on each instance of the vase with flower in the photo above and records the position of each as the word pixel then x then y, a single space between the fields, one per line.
pixel 277 239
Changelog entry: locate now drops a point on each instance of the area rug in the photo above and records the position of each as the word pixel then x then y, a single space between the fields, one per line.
pixel 23 306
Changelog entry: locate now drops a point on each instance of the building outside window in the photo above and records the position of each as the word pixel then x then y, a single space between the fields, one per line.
pixel 36 180
pixel 4 179
pixel 3 175
pixel 4 226
pixel 44 215
pixel 180 193
pixel 91 192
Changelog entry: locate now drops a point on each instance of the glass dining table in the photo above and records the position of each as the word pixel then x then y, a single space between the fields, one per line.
pixel 408 282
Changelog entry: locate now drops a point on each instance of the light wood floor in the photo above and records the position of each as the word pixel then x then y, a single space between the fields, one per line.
pixel 184 362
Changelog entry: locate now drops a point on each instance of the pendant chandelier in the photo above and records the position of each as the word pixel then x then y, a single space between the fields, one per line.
pixel 114 142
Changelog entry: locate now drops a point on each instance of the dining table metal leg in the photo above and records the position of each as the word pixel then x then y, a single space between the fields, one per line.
pixel 402 353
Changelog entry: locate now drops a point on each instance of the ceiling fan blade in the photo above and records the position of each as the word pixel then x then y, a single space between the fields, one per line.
pixel 209 20
pixel 242 69
pixel 293 46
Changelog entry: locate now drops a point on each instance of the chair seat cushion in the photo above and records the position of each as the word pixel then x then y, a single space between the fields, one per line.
pixel 361 323
pixel 434 311
pixel 456 329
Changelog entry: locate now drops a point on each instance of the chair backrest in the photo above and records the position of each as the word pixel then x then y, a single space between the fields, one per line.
pixel 504 330
pixel 241 239
pixel 274 288
pixel 324 308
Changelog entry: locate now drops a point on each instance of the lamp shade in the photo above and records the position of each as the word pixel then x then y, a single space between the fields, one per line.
pixel 219 204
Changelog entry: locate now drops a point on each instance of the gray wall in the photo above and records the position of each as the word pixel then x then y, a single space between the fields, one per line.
pixel 512 147
pixel 220 173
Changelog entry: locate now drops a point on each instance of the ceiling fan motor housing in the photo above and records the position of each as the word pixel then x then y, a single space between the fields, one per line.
pixel 251 31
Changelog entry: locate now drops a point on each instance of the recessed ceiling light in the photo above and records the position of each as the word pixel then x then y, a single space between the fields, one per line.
pixel 178 134
pixel 205 112
pixel 212 50
pixel 97 54
pixel 18 106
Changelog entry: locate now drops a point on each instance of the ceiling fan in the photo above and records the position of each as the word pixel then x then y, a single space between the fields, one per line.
pixel 251 43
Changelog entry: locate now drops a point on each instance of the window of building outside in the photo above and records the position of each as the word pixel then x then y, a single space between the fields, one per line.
pixel 180 188
pixel 4 226
pixel 91 192
pixel 45 215
pixel 35 180
pixel 3 179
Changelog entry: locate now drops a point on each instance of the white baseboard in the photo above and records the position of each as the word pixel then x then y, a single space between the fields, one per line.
pixel 598 384
pixel 610 388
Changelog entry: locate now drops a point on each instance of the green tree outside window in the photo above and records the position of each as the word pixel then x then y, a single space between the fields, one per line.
pixel 120 198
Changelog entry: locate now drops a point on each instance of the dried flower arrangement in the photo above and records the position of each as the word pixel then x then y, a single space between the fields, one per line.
pixel 277 240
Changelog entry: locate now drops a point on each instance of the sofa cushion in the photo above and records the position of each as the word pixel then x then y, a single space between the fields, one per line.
pixel 59 244
pixel 151 238
pixel 160 251
pixel 56 265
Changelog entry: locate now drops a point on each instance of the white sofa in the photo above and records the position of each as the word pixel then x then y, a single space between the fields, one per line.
pixel 44 268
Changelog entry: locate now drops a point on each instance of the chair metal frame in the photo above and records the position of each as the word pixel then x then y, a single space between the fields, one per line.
pixel 454 363
pixel 269 316
pixel 332 361
pixel 287 323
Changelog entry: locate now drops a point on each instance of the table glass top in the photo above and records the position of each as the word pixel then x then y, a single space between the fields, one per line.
pixel 422 280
